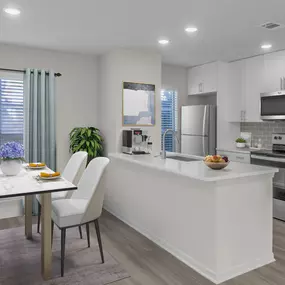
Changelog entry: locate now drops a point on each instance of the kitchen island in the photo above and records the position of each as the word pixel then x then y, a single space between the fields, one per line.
pixel 217 222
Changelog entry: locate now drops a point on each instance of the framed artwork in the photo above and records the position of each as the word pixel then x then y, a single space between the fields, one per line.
pixel 138 104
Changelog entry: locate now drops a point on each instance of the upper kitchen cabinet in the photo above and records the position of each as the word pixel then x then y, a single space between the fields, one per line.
pixel 203 79
pixel 274 71
pixel 235 97
pixel 254 85
pixel 245 83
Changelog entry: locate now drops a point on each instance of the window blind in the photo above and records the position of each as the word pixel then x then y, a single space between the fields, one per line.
pixel 11 110
pixel 169 117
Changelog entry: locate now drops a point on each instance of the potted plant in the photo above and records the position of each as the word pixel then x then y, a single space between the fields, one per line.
pixel 87 139
pixel 12 156
pixel 240 142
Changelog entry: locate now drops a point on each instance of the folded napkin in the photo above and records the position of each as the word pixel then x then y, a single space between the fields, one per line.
pixel 40 164
pixel 45 174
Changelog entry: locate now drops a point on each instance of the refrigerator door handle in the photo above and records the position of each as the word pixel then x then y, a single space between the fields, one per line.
pixel 205 121
pixel 205 146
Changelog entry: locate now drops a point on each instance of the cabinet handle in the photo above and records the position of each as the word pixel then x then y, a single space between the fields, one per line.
pixel 281 83
pixel 239 157
pixel 242 116
pixel 200 87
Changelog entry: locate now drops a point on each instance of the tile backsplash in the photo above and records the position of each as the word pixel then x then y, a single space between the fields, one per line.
pixel 263 130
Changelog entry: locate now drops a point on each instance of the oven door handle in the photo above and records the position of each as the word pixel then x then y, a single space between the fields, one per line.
pixel 268 158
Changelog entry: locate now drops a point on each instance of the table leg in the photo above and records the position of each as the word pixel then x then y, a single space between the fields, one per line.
pixel 28 216
pixel 46 235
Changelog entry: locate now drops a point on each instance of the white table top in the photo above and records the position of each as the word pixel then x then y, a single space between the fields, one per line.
pixel 25 183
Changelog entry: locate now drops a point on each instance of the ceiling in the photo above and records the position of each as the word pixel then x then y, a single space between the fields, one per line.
pixel 228 29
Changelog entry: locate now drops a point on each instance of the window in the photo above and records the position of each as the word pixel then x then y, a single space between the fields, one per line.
pixel 169 117
pixel 11 110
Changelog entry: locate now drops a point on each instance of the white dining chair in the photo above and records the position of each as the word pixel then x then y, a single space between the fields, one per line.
pixel 84 207
pixel 72 172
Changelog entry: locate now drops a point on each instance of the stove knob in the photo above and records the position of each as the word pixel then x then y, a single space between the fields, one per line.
pixel 280 138
pixel 275 138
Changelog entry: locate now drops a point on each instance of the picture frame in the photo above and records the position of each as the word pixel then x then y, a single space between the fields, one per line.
pixel 138 104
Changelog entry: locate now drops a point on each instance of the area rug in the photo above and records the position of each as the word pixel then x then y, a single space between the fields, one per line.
pixel 20 260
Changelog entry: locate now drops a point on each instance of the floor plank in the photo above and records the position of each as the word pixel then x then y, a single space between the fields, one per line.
pixel 149 264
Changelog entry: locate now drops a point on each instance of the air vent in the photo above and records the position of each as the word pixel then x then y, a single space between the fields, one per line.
pixel 272 26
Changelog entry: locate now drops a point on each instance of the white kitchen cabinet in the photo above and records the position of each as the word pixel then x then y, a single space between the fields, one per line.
pixel 253 86
pixel 246 82
pixel 235 99
pixel 203 79
pixel 274 69
pixel 235 156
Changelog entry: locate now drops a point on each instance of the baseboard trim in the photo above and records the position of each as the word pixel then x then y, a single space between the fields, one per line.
pixel 189 261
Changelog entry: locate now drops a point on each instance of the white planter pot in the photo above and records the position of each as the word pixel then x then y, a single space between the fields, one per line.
pixel 11 167
pixel 240 145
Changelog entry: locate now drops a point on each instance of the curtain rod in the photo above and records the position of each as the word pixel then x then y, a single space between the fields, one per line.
pixel 23 71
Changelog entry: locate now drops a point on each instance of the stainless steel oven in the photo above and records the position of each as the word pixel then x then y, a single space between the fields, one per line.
pixel 275 158
pixel 272 106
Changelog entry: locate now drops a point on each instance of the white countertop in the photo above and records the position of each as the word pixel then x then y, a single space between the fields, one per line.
pixel 195 169
pixel 246 150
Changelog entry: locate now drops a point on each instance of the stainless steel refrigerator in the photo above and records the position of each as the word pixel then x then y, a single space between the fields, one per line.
pixel 198 130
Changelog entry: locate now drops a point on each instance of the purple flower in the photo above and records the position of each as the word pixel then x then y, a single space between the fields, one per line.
pixel 12 150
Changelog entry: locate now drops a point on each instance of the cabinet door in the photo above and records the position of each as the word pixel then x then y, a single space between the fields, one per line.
pixel 210 77
pixel 195 80
pixel 274 69
pixel 235 98
pixel 254 85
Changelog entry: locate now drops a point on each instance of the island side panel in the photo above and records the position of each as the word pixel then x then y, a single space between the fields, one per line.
pixel 244 225
pixel 174 211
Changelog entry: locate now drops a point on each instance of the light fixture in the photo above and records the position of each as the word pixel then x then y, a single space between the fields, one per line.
pixel 12 11
pixel 191 29
pixel 266 46
pixel 163 41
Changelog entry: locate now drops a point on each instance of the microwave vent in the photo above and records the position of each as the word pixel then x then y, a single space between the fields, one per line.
pixel 272 26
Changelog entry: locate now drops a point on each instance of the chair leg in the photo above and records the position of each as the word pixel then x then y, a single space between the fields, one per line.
pixel 88 234
pixel 80 232
pixel 52 230
pixel 97 228
pixel 63 236
pixel 39 216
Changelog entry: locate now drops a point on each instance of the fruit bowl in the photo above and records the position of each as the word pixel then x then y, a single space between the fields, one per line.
pixel 217 165
pixel 216 162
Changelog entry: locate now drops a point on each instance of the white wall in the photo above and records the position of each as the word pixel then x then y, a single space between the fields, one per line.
pixel 77 93
pixel 174 77
pixel 133 66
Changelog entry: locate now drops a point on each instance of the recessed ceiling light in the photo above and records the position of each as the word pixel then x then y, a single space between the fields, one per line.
pixel 191 29
pixel 163 41
pixel 266 46
pixel 12 11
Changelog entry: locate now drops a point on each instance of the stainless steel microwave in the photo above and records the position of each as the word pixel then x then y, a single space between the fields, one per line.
pixel 272 106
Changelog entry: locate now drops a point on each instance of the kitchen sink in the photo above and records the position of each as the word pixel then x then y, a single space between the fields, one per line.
pixel 182 158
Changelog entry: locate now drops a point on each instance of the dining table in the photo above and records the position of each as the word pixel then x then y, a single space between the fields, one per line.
pixel 27 184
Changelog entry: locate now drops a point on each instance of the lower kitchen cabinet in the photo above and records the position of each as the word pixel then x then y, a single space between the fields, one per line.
pixel 235 156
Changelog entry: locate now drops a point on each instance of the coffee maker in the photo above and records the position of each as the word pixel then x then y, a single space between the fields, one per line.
pixel 134 141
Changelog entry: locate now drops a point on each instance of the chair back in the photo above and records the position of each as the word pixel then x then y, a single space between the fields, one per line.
pixel 89 188
pixel 74 169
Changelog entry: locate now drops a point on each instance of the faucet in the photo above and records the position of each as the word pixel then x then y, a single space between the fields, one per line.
pixel 163 153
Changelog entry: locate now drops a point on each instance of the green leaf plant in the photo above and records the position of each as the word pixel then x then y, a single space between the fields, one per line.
pixel 87 139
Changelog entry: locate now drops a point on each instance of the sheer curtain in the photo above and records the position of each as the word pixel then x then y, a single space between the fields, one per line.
pixel 39 117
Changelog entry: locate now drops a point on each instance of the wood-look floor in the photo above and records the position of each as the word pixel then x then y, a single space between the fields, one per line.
pixel 148 264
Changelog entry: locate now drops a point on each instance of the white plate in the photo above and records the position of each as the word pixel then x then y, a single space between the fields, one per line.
pixel 37 167
pixel 49 178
